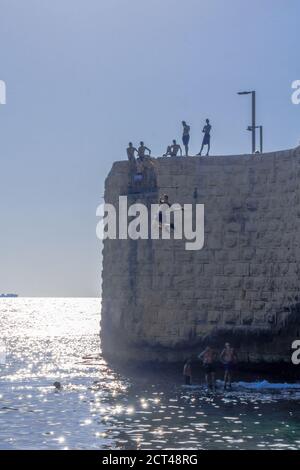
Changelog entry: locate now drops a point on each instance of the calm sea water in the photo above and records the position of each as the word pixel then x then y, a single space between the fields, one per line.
pixel 49 340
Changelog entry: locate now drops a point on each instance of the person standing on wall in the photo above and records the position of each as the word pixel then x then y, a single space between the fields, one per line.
pixel 142 151
pixel 206 139
pixel 131 150
pixel 186 137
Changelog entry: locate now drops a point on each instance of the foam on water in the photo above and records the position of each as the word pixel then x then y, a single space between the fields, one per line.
pixel 265 385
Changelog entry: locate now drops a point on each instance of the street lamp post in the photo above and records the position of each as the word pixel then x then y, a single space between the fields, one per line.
pixel 253 127
pixel 250 128
pixel 261 138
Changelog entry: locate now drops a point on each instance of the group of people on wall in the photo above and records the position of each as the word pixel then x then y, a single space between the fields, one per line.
pixel 174 149
pixel 228 358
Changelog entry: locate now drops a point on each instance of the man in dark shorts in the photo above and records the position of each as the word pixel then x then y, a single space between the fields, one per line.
pixel 208 357
pixel 131 152
pixel 206 139
pixel 229 359
pixel 187 372
pixel 186 137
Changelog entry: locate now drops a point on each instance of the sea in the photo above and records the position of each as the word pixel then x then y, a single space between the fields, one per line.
pixel 100 406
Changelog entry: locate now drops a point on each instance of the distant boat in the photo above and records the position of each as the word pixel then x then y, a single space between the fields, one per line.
pixel 8 295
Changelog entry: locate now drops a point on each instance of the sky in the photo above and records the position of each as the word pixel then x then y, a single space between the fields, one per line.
pixel 83 77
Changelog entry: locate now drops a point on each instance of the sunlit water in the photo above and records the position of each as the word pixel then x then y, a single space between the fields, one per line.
pixel 51 340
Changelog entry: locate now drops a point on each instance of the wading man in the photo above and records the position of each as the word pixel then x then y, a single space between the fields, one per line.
pixel 208 357
pixel 229 359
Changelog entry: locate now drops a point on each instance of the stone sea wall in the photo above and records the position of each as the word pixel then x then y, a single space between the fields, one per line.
pixel 161 302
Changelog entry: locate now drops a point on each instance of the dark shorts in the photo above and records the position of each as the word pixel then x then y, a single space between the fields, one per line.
pixel 228 366
pixel 209 368
pixel 206 139
pixel 185 139
pixel 187 380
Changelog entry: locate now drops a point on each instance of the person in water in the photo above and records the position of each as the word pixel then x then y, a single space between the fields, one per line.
pixel 142 151
pixel 131 150
pixel 229 359
pixel 187 372
pixel 206 139
pixel 208 357
pixel 173 150
pixel 186 137
pixel 57 385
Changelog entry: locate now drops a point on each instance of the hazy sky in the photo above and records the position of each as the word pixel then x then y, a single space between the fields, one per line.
pixel 84 77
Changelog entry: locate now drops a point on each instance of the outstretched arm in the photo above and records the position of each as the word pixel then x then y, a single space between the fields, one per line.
pixel 202 354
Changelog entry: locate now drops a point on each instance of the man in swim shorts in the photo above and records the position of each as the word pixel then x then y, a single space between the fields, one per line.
pixel 229 359
pixel 187 373
pixel 206 139
pixel 173 150
pixel 131 152
pixel 208 357
pixel 142 151
pixel 186 137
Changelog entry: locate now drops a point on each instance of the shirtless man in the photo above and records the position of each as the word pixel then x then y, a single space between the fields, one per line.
pixel 206 139
pixel 186 137
pixel 187 373
pixel 142 151
pixel 131 152
pixel 208 357
pixel 173 150
pixel 229 358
